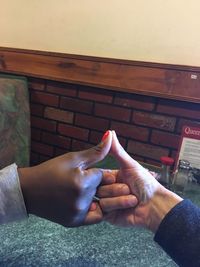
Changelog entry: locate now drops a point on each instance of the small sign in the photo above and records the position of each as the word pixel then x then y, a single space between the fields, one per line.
pixel 189 148
pixel 193 76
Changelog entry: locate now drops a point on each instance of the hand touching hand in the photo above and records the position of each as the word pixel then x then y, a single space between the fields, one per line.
pixel 62 189
pixel 113 196
pixel 154 201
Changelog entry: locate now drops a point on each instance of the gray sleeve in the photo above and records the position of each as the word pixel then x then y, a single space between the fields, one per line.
pixel 12 206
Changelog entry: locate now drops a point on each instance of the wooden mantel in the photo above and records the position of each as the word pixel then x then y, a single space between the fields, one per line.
pixel 161 80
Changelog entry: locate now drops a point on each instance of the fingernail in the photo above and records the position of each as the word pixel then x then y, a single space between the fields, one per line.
pixel 93 206
pixel 105 136
pixel 132 201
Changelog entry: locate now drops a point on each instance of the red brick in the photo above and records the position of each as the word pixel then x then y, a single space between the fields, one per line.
pixel 35 134
pixel 56 140
pixel 165 139
pixel 44 98
pixel 78 145
pixel 36 84
pixel 42 148
pixel 44 158
pixel 95 137
pixel 183 122
pixel 130 131
pixel 135 101
pixel 153 162
pixel 76 104
pixel 174 154
pixel 58 114
pixel 64 89
pixel 98 95
pixel 112 112
pixel 146 150
pixel 91 122
pixel 34 159
pixel 60 151
pixel 72 131
pixel 36 109
pixel 154 120
pixel 178 108
pixel 137 158
pixel 43 124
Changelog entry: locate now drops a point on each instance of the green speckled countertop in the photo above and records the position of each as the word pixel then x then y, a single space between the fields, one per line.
pixel 37 242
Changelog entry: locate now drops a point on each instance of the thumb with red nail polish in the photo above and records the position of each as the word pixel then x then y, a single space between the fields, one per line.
pixel 105 135
pixel 97 153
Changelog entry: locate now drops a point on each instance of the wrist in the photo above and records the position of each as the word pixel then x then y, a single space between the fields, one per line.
pixel 161 203
pixel 25 175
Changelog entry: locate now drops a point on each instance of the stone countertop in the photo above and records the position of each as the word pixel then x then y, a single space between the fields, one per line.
pixel 38 242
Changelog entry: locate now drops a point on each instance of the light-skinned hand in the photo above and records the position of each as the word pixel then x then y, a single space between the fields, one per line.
pixel 154 200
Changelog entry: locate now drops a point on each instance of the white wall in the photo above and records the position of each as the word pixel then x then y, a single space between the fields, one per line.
pixel 166 31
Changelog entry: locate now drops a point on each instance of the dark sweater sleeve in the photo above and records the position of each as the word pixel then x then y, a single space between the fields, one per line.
pixel 179 234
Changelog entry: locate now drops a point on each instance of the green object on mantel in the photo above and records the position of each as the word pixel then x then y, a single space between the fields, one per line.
pixel 14 121
pixel 38 242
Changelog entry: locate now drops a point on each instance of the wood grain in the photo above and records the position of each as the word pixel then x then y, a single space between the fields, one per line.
pixel 161 80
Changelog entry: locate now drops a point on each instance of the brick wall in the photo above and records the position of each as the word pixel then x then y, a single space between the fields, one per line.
pixel 67 117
